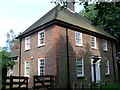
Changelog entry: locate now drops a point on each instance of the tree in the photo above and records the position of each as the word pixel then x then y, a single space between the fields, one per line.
pixel 11 42
pixel 90 12
pixel 105 15
pixel 5 62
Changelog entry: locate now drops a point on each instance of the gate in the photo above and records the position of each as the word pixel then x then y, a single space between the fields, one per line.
pixel 13 82
pixel 46 81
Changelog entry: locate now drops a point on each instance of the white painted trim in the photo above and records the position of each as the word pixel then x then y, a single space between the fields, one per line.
pixel 98 70
pixel 39 38
pixel 81 38
pixel 25 68
pixel 108 67
pixel 26 48
pixel 40 65
pixel 82 68
pixel 95 41
pixel 105 44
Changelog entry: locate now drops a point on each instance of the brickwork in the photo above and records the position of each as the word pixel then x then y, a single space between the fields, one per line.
pixel 85 52
pixel 54 52
pixel 46 51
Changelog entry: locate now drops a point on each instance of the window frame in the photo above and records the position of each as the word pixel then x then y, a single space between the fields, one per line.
pixel 95 42
pixel 105 45
pixel 80 38
pixel 27 43
pixel 39 44
pixel 107 67
pixel 39 73
pixel 82 65
pixel 25 72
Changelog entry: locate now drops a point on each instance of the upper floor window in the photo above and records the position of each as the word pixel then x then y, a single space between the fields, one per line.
pixel 79 67
pixel 107 65
pixel 41 66
pixel 105 45
pixel 93 42
pixel 41 38
pixel 27 68
pixel 78 38
pixel 27 43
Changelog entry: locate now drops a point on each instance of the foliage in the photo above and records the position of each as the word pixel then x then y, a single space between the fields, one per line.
pixel 11 42
pixel 5 57
pixel 89 12
pixel 103 14
pixel 106 15
pixel 115 86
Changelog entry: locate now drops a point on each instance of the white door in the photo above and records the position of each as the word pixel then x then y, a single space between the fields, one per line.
pixel 92 71
pixel 97 66
pixel 97 70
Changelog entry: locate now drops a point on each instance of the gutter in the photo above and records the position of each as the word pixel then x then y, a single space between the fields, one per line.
pixel 20 58
pixel 68 69
pixel 113 62
pixel 63 24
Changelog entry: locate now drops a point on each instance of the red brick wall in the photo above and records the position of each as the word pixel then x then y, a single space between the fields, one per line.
pixel 84 51
pixel 55 56
pixel 47 51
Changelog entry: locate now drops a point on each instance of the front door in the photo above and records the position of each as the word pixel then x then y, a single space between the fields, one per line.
pixel 95 74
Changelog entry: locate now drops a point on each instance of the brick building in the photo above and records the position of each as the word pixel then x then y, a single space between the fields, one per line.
pixel 65 44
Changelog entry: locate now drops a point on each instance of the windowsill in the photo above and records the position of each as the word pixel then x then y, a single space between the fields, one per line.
pixel 107 74
pixel 80 77
pixel 41 45
pixel 94 48
pixel 77 45
pixel 105 50
pixel 26 76
pixel 26 50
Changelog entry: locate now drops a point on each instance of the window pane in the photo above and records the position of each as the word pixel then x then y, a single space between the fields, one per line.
pixel 27 43
pixel 79 67
pixel 107 71
pixel 27 69
pixel 93 41
pixel 41 38
pixel 105 44
pixel 78 38
pixel 41 67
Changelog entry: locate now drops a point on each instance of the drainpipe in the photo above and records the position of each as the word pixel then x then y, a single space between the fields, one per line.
pixel 67 45
pixel 20 58
pixel 113 62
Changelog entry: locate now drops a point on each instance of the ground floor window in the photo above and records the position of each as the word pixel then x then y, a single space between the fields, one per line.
pixel 41 66
pixel 27 68
pixel 79 67
pixel 107 70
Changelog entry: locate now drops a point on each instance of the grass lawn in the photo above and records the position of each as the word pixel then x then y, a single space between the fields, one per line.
pixel 111 86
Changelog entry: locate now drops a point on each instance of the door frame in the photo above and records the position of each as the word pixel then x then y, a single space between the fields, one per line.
pixel 95 66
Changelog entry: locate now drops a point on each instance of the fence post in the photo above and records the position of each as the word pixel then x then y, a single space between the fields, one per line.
pixel 81 86
pixel 33 82
pixel 99 86
pixel 26 83
pixel 90 85
pixel 11 81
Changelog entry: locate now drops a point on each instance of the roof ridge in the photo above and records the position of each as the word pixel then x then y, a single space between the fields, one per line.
pixel 56 12
pixel 67 16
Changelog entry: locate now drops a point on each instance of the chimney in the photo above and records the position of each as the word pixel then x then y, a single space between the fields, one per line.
pixel 70 4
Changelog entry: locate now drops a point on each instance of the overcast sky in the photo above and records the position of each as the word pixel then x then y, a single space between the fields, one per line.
pixel 20 14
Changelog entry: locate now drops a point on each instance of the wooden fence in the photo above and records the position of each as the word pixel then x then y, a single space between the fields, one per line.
pixel 46 81
pixel 11 82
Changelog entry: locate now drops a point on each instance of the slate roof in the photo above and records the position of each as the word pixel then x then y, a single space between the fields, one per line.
pixel 67 16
